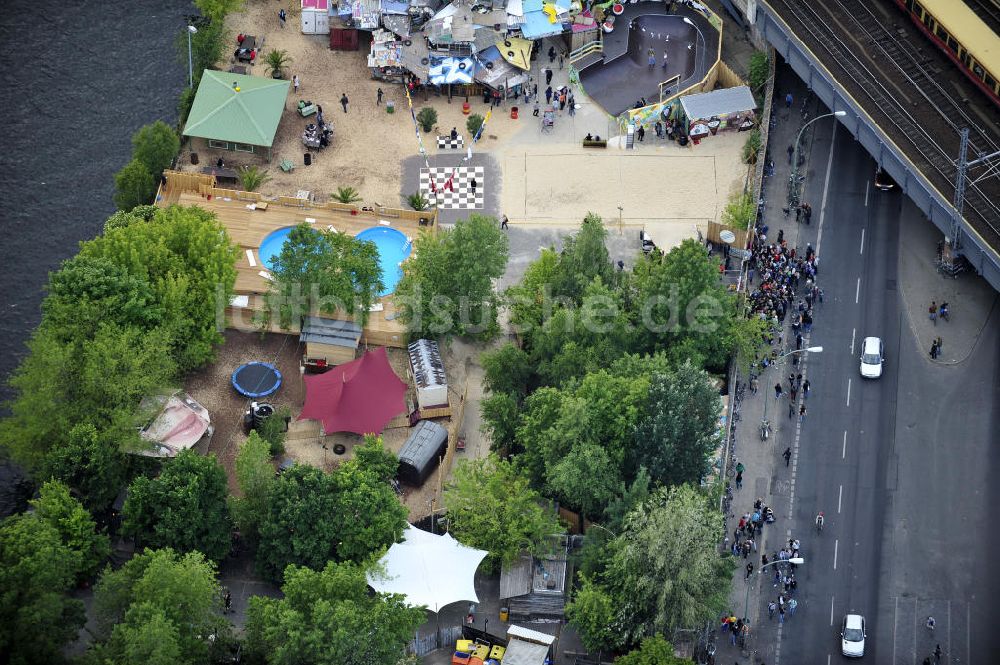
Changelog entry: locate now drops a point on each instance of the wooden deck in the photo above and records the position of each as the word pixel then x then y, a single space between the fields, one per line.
pixel 248 224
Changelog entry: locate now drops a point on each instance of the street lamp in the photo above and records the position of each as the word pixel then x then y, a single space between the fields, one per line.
pixel 191 30
pixel 777 361
pixel 797 561
pixel 793 186
pixel 700 51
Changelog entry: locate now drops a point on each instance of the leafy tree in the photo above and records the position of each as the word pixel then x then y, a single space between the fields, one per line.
pixel 275 61
pixel 371 516
pixel 328 617
pixel 448 284
pixel 91 462
pixel 255 476
pixel 427 118
pixel 275 429
pixel 491 506
pixel 155 145
pixel 759 70
pixel 216 10
pixel 326 271
pixel 584 256
pixel 740 210
pixel 136 215
pixel 530 301
pixel 473 123
pixel 186 256
pixel 750 151
pixel 665 572
pixel 635 495
pixel 36 569
pixel 507 370
pixel 418 201
pixel 74 524
pixel 653 651
pixel 592 613
pixel 300 524
pixel 501 414
pixel 134 185
pixel 183 508
pixel 158 594
pixel 678 431
pixel 375 459
pixel 586 479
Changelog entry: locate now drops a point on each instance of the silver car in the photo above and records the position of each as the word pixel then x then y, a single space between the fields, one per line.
pixel 852 636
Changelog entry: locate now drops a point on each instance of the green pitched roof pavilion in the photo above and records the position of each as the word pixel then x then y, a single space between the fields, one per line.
pixel 220 113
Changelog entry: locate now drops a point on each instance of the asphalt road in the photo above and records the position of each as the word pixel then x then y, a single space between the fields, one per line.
pixel 902 465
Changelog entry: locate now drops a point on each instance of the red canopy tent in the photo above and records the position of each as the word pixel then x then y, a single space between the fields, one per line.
pixel 361 396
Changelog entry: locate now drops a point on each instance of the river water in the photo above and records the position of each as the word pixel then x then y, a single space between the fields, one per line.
pixel 81 78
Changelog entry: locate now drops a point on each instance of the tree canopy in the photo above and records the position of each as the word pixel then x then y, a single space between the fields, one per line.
pixel 491 506
pixel 75 526
pixel 447 287
pixel 37 568
pixel 324 271
pixel 158 595
pixel 184 508
pixel 155 145
pixel 255 477
pixel 652 650
pixel 328 617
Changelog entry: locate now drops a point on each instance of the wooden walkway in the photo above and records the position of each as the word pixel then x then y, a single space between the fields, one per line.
pixel 248 223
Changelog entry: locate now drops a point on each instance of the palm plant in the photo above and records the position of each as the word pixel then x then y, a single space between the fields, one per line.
pixel 346 195
pixel 252 177
pixel 418 201
pixel 276 60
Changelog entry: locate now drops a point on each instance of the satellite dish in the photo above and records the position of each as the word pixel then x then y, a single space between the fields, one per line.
pixel 507 43
pixel 727 236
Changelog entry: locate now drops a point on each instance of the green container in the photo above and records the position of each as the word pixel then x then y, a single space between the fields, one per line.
pixel 390 107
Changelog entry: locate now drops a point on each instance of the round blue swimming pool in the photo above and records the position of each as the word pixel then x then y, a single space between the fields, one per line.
pixel 393 249
pixel 271 247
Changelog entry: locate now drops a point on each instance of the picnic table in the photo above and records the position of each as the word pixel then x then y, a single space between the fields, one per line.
pixel 247 49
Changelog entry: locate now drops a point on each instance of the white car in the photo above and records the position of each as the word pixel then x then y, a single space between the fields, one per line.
pixel 852 636
pixel 872 357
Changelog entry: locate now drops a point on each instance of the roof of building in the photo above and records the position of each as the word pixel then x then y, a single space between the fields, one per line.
pixel 237 108
pixel 320 330
pixel 724 101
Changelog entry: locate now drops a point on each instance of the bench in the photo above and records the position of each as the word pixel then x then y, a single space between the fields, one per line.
pixel 595 144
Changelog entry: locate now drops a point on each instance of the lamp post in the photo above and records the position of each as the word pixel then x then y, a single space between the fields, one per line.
pixel 777 361
pixel 746 605
pixel 191 30
pixel 793 185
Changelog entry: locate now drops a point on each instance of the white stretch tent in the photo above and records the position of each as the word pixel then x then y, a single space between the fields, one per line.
pixel 430 571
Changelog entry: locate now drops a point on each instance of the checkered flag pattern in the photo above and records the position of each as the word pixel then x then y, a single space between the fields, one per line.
pixel 446 143
pixel 459 195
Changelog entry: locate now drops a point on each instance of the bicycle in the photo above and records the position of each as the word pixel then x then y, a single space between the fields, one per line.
pixel 765 429
pixel 819 523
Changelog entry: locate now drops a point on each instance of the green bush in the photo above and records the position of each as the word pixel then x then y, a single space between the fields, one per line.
pixel 184 105
pixel 418 201
pixel 473 124
pixel 752 147
pixel 758 71
pixel 427 118
pixel 276 61
pixel 134 185
pixel 346 195
pixel 252 177
pixel 273 430
pixel 739 211
pixel 155 145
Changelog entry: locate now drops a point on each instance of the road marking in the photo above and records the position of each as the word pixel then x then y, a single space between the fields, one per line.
pixel 857 292
pixel 854 332
pixel 866 193
pixel 843 452
pixel 831 610
pixel 839 497
pixel 827 659
pixel 895 622
pixel 826 188
pixel 836 545
pixel 862 249
pixel 948 635
pixel 968 633
pixel 848 394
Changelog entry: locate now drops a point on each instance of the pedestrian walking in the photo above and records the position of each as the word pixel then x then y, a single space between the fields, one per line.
pixel 473 184
pixel 739 481
pixel 664 60
pixel 749 570
pixel 937 654
pixel 943 312
pixel 788 101
pixel 932 312
pixel 378 97
pixel 552 54
pixel 548 76
pixel 548 95
pixel 931 623
pixel 781 609
pixel 228 599
pixel 753 385
pixel 777 391
pixel 793 393
pixel 802 413
pixel 771 607
pixel 562 100
pixel 560 61
pixel 641 133
pixel 503 222
pixel 651 61
pixel 787 455
pixel 792 604
pixel 295 83
pixel 798 380
pixel 805 389
pixel 791 151
pixel 791 408
pixel 344 101
pixel 537 107
pixel 281 17
pixel 571 101
pixel 798 341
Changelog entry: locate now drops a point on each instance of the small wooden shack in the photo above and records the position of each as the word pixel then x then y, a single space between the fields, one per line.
pixel 329 341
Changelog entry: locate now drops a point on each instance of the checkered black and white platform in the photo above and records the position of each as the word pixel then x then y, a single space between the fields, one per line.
pixel 446 143
pixel 460 196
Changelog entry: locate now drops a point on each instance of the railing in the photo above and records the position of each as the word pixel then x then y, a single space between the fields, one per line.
pixel 596 46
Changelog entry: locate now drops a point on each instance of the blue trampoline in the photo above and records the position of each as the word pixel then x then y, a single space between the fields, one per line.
pixel 256 379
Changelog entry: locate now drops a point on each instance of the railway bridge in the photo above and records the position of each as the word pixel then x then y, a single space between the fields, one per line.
pixel 904 104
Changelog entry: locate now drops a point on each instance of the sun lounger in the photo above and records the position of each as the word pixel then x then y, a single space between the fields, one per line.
pixel 250 259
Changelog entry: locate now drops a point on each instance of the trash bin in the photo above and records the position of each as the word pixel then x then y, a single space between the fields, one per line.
pixel 466 109
pixel 194 158
pixel 307 159
pixel 504 614
pixel 513 113
pixel 390 107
